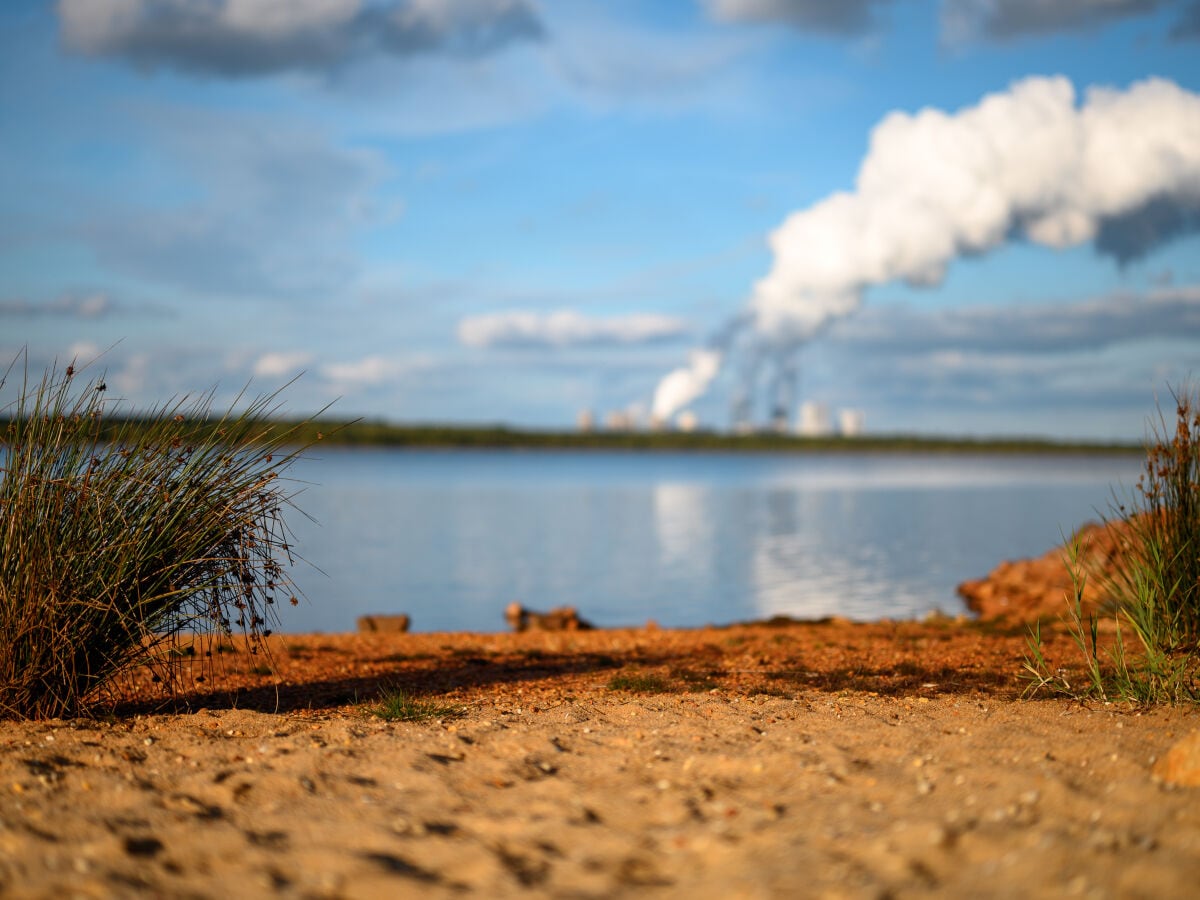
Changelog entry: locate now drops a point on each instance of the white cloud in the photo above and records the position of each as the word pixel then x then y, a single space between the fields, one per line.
pixel 278 365
pixel 94 305
pixel 369 370
pixel 565 328
pixel 83 353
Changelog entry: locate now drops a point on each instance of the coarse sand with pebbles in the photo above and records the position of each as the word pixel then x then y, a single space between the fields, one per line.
pixel 826 759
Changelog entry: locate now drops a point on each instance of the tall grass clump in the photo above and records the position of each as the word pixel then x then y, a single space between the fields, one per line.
pixel 119 541
pixel 1153 582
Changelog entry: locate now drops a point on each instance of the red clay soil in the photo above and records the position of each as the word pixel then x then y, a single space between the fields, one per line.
pixel 780 657
pixel 937 657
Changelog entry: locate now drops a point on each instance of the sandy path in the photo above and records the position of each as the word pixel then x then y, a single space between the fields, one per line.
pixel 601 793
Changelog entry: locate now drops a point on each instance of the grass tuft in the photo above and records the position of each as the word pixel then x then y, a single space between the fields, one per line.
pixel 639 683
pixel 396 705
pixel 119 542
pixel 1154 584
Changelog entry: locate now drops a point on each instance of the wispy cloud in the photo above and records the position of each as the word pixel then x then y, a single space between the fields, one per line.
pixel 846 18
pixel 1088 367
pixel 566 328
pixel 241 38
pixel 603 59
pixel 1187 28
pixel 372 370
pixel 964 21
pixel 281 364
pixel 1087 325
pixel 69 306
pixel 273 210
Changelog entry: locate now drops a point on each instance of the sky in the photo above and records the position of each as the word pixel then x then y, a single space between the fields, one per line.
pixel 959 217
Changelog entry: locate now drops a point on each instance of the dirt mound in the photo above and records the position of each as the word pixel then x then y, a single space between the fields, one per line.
pixel 1029 589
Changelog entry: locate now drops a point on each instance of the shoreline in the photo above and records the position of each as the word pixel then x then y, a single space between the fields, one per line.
pixel 366 434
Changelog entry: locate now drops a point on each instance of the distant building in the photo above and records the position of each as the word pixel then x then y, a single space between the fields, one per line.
pixel 618 420
pixel 814 420
pixel 851 422
pixel 585 421
pixel 687 421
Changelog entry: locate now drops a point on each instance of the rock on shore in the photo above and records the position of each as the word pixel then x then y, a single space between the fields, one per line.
pixel 1029 589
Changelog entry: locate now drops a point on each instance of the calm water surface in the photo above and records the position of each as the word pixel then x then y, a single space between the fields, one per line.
pixel 685 539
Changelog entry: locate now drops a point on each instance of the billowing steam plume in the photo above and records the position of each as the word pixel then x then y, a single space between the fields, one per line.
pixel 1121 171
pixel 684 385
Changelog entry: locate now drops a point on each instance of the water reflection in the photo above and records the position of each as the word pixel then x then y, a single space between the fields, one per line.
pixel 684 521
pixel 826 554
pixel 452 538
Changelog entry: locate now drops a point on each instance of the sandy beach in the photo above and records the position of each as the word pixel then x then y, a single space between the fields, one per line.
pixel 824 759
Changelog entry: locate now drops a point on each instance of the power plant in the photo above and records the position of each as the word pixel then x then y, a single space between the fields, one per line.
pixel 812 420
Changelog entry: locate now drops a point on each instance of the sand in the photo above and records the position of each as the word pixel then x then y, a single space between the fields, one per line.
pixel 826 760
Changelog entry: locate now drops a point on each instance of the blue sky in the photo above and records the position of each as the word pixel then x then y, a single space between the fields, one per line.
pixel 504 210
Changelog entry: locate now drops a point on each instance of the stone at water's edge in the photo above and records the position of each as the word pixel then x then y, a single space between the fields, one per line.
pixel 1030 589
pixel 1181 764
pixel 562 618
pixel 390 624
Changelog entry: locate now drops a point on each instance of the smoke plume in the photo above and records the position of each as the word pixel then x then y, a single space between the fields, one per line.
pixel 684 385
pixel 1121 171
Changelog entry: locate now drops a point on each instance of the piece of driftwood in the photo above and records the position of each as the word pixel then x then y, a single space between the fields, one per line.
pixel 393 623
pixel 562 618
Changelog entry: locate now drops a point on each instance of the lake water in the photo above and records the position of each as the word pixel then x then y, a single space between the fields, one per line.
pixel 684 539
